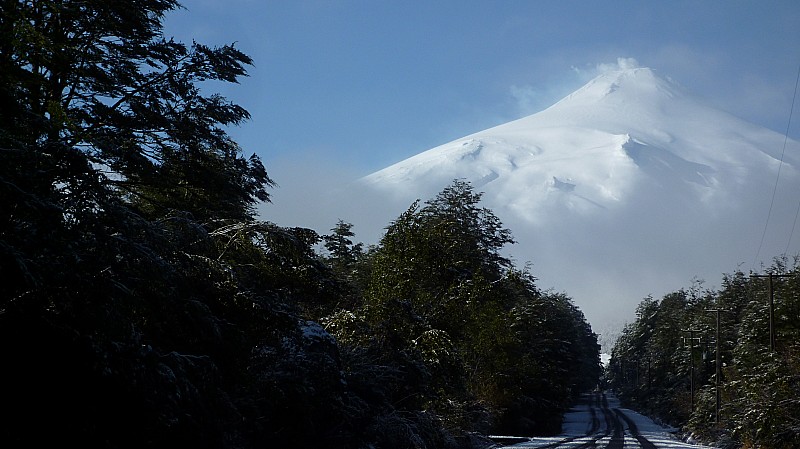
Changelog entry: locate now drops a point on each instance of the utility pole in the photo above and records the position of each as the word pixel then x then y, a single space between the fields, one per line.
pixel 718 364
pixel 771 305
pixel 692 338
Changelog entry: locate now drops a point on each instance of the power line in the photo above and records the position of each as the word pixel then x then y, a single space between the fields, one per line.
pixel 794 223
pixel 777 178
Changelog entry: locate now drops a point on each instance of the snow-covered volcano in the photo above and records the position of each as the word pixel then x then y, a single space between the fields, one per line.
pixel 623 131
pixel 627 187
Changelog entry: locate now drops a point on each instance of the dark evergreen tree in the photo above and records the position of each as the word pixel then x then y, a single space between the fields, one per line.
pixel 142 306
pixel 343 251
pixel 94 85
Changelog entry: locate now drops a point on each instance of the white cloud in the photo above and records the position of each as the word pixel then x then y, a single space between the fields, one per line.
pixel 621 64
pixel 592 70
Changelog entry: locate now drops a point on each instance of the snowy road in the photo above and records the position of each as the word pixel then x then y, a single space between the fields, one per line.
pixel 599 422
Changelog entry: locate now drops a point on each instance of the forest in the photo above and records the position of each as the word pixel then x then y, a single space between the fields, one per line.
pixel 145 304
pixel 721 364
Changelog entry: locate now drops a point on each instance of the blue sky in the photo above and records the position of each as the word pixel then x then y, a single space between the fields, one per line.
pixel 364 84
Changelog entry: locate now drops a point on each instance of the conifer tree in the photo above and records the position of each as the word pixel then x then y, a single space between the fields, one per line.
pixel 142 305
pixel 678 335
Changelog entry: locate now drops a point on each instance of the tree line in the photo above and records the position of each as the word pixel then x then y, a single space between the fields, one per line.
pixel 144 303
pixel 721 364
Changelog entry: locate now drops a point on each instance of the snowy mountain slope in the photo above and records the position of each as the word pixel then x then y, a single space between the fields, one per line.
pixel 595 147
pixel 629 186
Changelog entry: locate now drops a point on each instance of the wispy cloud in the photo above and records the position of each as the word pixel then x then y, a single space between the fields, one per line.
pixel 591 70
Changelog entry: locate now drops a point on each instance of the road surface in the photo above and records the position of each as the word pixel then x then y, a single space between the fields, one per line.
pixel 599 421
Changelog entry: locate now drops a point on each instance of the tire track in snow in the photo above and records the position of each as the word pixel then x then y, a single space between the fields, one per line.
pixel 634 430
